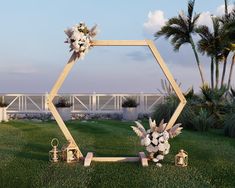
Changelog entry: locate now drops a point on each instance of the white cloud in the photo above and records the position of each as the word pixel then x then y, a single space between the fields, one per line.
pixel 155 21
pixel 220 9
pixel 205 19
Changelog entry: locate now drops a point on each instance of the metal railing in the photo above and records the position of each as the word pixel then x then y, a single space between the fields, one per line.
pixel 82 103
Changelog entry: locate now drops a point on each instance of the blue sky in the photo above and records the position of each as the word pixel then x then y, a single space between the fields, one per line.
pixel 32 52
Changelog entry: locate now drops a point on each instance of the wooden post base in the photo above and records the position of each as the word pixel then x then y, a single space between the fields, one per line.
pixel 142 157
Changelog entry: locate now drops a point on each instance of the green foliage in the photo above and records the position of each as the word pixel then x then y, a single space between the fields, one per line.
pixel 63 102
pixel 2 103
pixel 214 96
pixel 229 125
pixel 232 91
pixel 202 121
pixel 129 103
pixel 24 147
pixel 165 109
pixel 215 102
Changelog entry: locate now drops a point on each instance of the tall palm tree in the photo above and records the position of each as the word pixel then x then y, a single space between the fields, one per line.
pixel 211 43
pixel 231 71
pixel 181 28
pixel 228 23
pixel 205 46
pixel 226 51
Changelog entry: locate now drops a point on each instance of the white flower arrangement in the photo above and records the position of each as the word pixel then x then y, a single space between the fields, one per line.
pixel 80 38
pixel 156 139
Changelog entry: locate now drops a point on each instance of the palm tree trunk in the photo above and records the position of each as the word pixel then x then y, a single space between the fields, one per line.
pixel 226 7
pixel 216 72
pixel 212 72
pixel 231 71
pixel 197 60
pixel 224 71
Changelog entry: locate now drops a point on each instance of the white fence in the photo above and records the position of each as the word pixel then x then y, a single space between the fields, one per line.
pixel 82 103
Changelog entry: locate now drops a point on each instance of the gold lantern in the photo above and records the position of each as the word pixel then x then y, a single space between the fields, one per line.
pixel 70 152
pixel 181 159
pixel 54 154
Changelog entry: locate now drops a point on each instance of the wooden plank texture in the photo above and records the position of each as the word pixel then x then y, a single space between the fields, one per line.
pixel 115 159
pixel 172 81
pixel 143 159
pixel 88 159
pixel 119 43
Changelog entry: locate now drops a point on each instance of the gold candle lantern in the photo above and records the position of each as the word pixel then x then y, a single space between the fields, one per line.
pixel 181 159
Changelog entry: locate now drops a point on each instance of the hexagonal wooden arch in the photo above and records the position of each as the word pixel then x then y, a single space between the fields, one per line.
pixel 71 142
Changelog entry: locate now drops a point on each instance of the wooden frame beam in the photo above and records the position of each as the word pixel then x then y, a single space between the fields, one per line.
pixel 142 158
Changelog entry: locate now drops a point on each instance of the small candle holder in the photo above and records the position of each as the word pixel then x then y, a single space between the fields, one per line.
pixel 181 159
pixel 54 154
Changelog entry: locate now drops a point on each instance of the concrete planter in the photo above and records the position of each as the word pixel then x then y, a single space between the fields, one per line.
pixel 130 114
pixel 3 114
pixel 65 113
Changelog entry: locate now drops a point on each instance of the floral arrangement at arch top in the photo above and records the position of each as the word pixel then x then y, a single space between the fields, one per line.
pixel 80 38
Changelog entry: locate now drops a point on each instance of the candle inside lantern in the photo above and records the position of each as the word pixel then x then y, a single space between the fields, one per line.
pixel 181 161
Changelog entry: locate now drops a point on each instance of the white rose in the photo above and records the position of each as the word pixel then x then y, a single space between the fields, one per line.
pixel 155 141
pixel 161 147
pixel 155 134
pixel 150 148
pixel 147 141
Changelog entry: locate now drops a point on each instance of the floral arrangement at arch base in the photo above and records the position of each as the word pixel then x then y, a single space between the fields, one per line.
pixel 156 138
pixel 80 38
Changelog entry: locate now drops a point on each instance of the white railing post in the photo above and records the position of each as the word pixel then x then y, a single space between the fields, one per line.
pixel 142 106
pixel 93 102
pixel 45 102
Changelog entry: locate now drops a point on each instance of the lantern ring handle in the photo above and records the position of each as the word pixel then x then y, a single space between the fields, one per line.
pixel 54 142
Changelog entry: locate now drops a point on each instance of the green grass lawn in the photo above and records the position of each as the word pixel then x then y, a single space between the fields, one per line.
pixel 24 147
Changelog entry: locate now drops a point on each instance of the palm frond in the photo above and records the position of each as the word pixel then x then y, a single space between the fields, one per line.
pixel 190 9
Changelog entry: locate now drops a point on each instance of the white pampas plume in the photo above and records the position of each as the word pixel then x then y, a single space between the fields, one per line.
pixel 175 130
pixel 93 32
pixel 141 127
pixel 138 132
pixel 162 126
pixel 152 124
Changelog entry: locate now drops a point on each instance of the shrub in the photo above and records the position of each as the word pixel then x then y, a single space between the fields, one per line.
pixel 202 121
pixel 229 125
pixel 63 103
pixel 214 101
pixel 168 107
pixel 129 103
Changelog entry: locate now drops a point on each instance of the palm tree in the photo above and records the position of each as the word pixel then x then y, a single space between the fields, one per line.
pixel 226 50
pixel 229 29
pixel 231 71
pixel 181 28
pixel 211 43
pixel 205 46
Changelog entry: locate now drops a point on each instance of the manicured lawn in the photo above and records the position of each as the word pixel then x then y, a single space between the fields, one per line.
pixel 24 147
